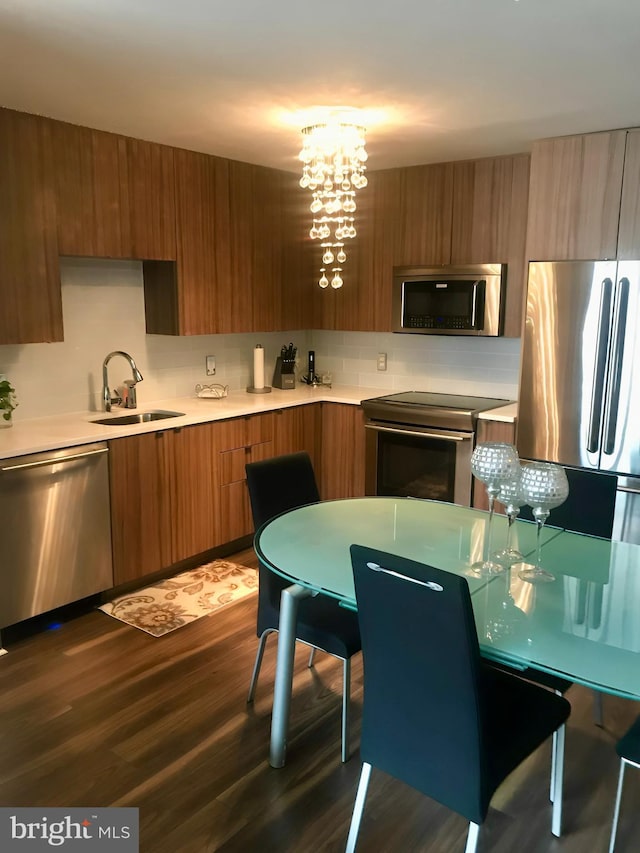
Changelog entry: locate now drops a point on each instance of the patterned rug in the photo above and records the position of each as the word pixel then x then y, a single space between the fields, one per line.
pixel 177 601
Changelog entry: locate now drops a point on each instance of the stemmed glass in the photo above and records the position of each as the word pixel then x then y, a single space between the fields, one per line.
pixel 493 463
pixel 544 486
pixel 511 496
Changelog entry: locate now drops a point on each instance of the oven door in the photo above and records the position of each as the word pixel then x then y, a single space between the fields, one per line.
pixel 418 462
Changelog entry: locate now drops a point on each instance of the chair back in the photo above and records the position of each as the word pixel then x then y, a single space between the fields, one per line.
pixel 590 506
pixel 422 709
pixel 277 485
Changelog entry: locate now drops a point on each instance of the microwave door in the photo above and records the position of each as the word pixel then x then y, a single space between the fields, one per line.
pixel 620 445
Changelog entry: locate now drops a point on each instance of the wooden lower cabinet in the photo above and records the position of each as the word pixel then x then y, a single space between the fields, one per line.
pixel 251 439
pixel 180 492
pixel 491 431
pixel 238 441
pixel 342 452
pixel 162 499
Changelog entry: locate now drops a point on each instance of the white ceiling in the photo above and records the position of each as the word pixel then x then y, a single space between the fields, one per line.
pixel 438 79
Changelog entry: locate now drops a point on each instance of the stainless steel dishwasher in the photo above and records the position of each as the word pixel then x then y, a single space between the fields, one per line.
pixel 56 530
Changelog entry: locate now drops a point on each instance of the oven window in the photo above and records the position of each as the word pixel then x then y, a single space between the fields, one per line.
pixel 416 467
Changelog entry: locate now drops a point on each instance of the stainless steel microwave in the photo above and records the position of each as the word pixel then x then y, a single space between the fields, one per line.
pixel 465 300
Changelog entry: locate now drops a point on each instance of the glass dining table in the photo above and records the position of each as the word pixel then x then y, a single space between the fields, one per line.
pixel 310 547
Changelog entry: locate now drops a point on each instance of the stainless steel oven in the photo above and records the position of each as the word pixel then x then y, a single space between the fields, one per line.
pixel 419 444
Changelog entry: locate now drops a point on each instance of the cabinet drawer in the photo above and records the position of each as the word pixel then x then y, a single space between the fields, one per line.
pixel 232 462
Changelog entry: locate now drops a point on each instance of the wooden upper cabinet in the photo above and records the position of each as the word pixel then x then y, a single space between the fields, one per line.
pixel 425 211
pixel 267 255
pixel 364 301
pixel 91 173
pixel 203 234
pixel 301 298
pixel 629 231
pixel 574 197
pixel 29 271
pixel 490 197
pixel 151 200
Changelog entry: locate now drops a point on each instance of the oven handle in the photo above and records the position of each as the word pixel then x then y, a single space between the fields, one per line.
pixel 445 436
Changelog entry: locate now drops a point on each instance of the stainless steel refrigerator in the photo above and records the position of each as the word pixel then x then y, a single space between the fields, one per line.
pixel 580 375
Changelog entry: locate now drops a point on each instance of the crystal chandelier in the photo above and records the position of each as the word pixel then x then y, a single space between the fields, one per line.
pixel 334 156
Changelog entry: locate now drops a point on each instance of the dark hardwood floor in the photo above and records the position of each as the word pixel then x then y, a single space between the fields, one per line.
pixel 97 713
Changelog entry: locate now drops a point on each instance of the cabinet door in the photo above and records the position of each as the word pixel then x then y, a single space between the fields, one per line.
pixel 342 453
pixel 141 519
pixel 302 299
pixel 202 222
pixel 29 271
pixel 151 198
pixel 426 208
pixel 490 198
pixel 574 197
pixel 629 232
pixel 364 301
pixel 266 290
pixel 491 431
pixel 296 429
pixel 194 522
pixel 91 171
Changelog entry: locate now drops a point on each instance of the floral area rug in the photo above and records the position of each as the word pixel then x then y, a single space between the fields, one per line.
pixel 177 601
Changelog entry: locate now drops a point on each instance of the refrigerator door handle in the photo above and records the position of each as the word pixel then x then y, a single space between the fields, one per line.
pixel 617 351
pixel 600 368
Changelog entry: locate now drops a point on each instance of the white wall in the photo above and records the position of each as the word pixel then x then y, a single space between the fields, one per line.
pixel 103 310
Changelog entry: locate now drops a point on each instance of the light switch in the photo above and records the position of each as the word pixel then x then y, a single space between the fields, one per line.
pixel 382 361
pixel 211 365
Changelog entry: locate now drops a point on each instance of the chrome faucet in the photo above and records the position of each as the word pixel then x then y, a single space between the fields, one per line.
pixel 128 398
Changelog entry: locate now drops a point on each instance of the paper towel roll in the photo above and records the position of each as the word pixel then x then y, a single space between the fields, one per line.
pixel 258 367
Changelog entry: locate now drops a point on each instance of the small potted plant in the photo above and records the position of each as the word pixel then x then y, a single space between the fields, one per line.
pixel 8 402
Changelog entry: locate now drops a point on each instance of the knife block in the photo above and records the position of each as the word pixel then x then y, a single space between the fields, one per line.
pixel 284 375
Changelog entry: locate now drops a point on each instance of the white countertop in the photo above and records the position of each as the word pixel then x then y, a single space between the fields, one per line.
pixel 50 433
pixel 505 414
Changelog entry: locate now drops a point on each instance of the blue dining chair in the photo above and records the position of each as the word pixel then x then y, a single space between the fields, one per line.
pixel 628 748
pixel 589 508
pixel 275 486
pixel 434 715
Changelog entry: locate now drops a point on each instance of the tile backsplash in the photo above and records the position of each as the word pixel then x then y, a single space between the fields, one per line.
pixel 103 310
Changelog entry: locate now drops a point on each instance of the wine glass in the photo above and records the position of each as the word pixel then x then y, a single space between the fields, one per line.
pixel 544 486
pixel 511 496
pixel 493 463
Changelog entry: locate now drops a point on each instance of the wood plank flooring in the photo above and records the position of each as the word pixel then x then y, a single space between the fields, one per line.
pixel 97 713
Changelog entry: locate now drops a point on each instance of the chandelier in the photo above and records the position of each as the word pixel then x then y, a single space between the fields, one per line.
pixel 334 155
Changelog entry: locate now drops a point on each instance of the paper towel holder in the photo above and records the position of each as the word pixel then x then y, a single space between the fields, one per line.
pixel 265 389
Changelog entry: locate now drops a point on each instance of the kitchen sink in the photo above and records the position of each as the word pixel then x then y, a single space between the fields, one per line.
pixel 138 418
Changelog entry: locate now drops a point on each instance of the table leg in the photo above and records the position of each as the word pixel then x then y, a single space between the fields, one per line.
pixel 284 672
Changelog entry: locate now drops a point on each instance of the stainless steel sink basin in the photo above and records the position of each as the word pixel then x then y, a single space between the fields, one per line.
pixel 137 418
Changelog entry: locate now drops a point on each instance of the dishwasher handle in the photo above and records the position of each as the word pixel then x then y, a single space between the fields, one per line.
pixel 52 461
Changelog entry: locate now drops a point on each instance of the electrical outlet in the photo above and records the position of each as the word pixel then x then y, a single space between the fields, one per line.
pixel 382 361
pixel 211 365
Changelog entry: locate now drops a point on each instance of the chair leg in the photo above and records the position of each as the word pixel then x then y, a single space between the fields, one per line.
pixel 598 717
pixel 554 747
pixel 358 807
pixel 472 838
pixel 256 667
pixel 616 811
pixel 552 781
pixel 312 654
pixel 346 697
pixel 556 816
